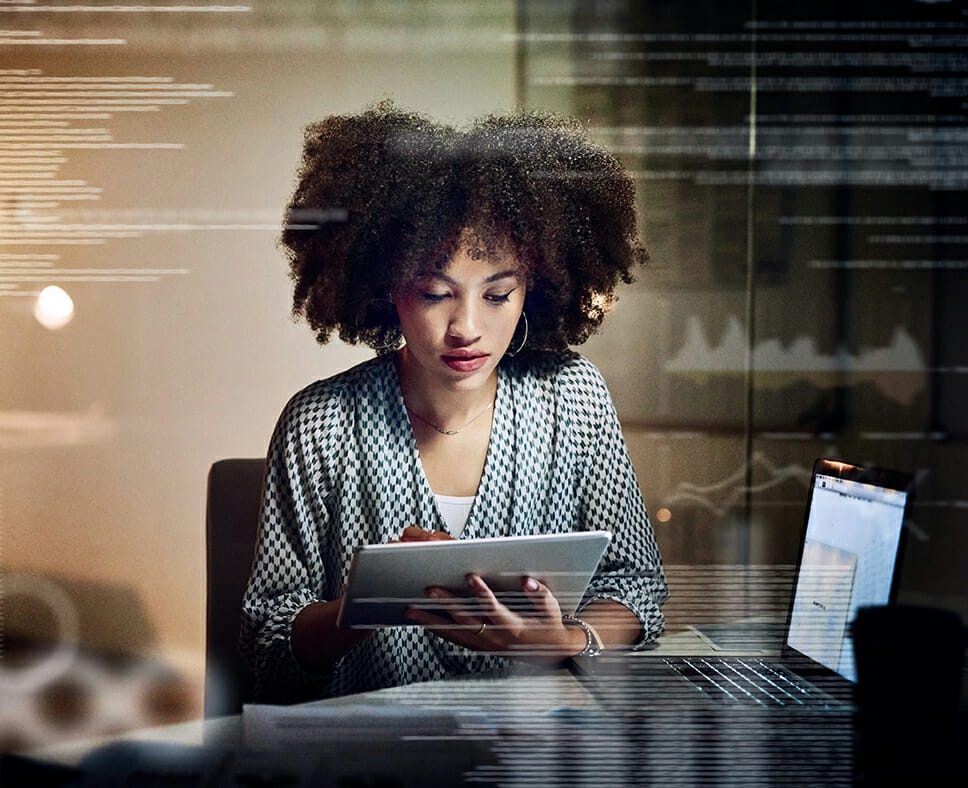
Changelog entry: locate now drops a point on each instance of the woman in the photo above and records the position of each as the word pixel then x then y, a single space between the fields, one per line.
pixel 469 260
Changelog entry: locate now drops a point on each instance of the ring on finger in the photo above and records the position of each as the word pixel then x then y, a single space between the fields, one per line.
pixel 481 630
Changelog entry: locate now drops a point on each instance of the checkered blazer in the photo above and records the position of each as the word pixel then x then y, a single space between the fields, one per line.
pixel 343 470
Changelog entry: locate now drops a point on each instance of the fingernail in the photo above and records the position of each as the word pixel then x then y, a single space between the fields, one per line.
pixel 435 593
pixel 530 584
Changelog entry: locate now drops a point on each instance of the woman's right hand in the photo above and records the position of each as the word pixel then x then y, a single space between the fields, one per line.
pixel 413 533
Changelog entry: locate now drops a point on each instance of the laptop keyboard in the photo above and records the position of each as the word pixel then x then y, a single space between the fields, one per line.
pixel 749 681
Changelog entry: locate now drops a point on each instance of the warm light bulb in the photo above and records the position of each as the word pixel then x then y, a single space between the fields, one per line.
pixel 54 308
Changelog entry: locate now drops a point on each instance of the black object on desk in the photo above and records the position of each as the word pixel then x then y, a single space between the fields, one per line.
pixel 910 661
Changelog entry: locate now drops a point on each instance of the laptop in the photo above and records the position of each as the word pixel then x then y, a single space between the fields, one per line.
pixel 850 555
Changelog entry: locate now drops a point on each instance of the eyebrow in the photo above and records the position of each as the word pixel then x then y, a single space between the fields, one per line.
pixel 492 278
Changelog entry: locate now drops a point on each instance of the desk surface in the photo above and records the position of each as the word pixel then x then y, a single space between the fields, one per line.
pixel 526 694
pixel 546 692
pixel 528 716
pixel 544 729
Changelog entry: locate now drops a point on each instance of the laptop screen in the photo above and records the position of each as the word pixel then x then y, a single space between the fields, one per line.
pixel 850 550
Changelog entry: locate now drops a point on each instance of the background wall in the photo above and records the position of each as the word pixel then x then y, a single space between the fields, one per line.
pixel 159 215
pixel 801 180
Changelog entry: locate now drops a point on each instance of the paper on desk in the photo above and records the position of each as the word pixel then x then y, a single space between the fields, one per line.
pixel 369 744
pixel 274 727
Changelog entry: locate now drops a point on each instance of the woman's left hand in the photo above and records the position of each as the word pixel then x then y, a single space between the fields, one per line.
pixel 526 625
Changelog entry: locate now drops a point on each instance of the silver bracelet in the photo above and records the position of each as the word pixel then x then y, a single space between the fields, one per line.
pixel 593 643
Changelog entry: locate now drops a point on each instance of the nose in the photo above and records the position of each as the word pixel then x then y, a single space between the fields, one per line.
pixel 463 328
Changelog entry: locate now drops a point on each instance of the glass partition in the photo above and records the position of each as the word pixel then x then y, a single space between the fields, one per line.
pixel 801 173
pixel 802 178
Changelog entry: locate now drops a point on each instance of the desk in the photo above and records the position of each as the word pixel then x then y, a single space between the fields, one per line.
pixel 534 717
pixel 547 692
pixel 534 694
pixel 545 729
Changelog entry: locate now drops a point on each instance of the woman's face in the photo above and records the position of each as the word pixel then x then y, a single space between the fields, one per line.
pixel 458 322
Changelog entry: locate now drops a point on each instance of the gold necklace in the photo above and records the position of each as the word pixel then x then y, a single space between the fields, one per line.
pixel 441 430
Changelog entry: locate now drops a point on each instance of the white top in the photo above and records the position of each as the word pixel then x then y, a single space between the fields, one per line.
pixel 455 510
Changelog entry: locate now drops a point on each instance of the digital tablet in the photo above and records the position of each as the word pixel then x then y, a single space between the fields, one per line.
pixel 386 579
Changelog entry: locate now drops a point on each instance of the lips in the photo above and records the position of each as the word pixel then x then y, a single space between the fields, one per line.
pixel 465 360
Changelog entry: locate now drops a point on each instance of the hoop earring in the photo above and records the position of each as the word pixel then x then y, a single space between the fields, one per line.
pixel 524 339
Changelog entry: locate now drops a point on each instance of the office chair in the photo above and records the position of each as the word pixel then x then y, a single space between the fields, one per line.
pixel 231 522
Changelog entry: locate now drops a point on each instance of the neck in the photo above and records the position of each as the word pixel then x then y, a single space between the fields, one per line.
pixel 442 405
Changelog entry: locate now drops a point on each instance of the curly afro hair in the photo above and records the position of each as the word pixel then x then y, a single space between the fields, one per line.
pixel 384 195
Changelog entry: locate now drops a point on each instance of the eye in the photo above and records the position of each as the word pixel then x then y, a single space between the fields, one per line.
pixel 500 298
pixel 433 298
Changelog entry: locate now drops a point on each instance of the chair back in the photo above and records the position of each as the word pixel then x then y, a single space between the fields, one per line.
pixel 231 524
